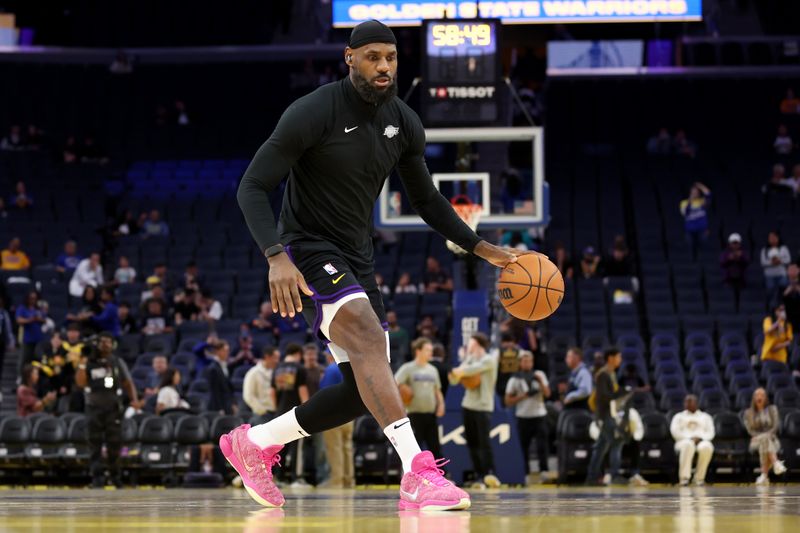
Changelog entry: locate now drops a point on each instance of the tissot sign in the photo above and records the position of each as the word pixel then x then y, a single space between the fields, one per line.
pixel 350 12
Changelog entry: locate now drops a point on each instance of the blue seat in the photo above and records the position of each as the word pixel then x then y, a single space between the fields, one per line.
pixel 698 354
pixel 733 339
pixel 664 340
pixel 631 341
pixel 703 368
pixel 741 382
pixel 698 339
pixel 704 383
pixel 664 355
pixel 733 353
pixel 776 382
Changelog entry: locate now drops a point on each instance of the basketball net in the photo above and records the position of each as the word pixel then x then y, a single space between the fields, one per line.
pixel 469 212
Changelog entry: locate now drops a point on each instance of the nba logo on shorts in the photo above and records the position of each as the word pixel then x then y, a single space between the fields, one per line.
pixel 330 269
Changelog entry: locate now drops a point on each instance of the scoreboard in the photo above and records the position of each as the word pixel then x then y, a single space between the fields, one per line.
pixel 461 72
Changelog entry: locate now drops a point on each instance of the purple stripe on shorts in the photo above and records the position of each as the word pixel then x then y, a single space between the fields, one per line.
pixel 318 303
pixel 385 326
pixel 330 298
pixel 288 250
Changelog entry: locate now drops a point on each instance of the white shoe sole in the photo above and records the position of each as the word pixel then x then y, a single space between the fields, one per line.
pixel 463 504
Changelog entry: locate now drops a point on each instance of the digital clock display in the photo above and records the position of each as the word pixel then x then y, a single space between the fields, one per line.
pixel 461 38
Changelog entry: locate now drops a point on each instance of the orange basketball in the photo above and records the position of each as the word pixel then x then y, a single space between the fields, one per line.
pixel 406 393
pixel 532 288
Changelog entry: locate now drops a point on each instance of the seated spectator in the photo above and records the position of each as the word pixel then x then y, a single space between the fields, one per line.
pixel 155 319
pixel 682 146
pixel 168 278
pixel 427 328
pixel 783 144
pixel 153 285
pixel 69 259
pixel 778 335
pixel 695 215
pixel 398 336
pixel 263 320
pixel 590 264
pixel 404 285
pixel 734 261
pixel 128 224
pixel 257 390
pixel 69 154
pixel 185 306
pixel 562 260
pixel 88 274
pixel 382 286
pixel 92 153
pixel 762 423
pixel 154 226
pixel 125 273
pixel 210 309
pixel 216 373
pixel 156 375
pixel 12 258
pixel 631 380
pixel 774 260
pixel 791 296
pixel 660 144
pixel 693 431
pixel 778 181
pixel 192 279
pixel 13 140
pixel 620 262
pixel 435 278
pixel 521 240
pixel 28 401
pixel 793 181
pixel 34 138
pixel 168 395
pixel 107 319
pixel 90 305
pixel 127 323
pixel 244 355
pixel 790 105
pixel 577 390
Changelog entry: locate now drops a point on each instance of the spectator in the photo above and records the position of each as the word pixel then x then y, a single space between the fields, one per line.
pixel 778 181
pixel 521 240
pixel 153 283
pixel 526 391
pixel 420 380
pixel 783 143
pixel 155 319
pixel 762 423
pixel 121 64
pixel 181 116
pixel 34 138
pixel 590 264
pixel 31 318
pixel 263 321
pixel 154 226
pixel 125 273
pixel 127 323
pixel 28 401
pixel 734 261
pixel 184 306
pixel 399 339
pixel 69 154
pixel 404 285
pixel 778 335
pixel 168 279
pixel 427 328
pixel 439 361
pixel 791 296
pixel 774 260
pixel 313 378
pixel 90 305
pixel 202 351
pixel 107 319
pixel 22 199
pixel 12 141
pixel 620 262
pixel 192 279
pixel 381 284
pixel 257 391
pixel 7 339
pixel 88 274
pixel 695 215
pixel 577 390
pixel 210 309
pixel 289 380
pixel 562 260
pixel 245 356
pixel 682 146
pixel 435 278
pixel 91 153
pixel 631 380
pixel 168 395
pixel 478 405
pixel 608 442
pixel 12 258
pixel 220 397
pixel 507 363
pixel 790 105
pixel 128 224
pixel 339 440
pixel 793 181
pixel 156 375
pixel 69 259
pixel 693 431
pixel 660 144
pixel 523 332
pixel 44 360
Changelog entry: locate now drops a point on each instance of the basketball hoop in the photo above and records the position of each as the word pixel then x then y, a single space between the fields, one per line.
pixel 469 212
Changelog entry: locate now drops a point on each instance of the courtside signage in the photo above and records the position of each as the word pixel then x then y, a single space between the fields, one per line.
pixel 348 13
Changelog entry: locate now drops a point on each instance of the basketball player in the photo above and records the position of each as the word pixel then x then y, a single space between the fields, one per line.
pixel 339 144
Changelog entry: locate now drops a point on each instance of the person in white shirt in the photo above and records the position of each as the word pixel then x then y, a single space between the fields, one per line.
pixel 693 431
pixel 257 391
pixel 168 395
pixel 88 273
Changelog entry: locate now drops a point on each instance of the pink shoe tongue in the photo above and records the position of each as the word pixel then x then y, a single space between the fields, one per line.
pixel 423 461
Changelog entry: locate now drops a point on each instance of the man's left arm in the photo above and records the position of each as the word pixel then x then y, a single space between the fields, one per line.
pixel 128 386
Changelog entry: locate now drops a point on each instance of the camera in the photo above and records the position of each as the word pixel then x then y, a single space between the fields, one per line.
pixel 533 387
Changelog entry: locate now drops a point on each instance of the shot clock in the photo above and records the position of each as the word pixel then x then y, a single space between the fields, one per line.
pixel 461 72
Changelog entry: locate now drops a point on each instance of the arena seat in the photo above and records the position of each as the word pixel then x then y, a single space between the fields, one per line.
pixel 47 436
pixel 15 433
pixel 657 447
pixel 155 437
pixel 190 431
pixel 790 440
pixel 75 451
pixel 574 444
pixel 730 443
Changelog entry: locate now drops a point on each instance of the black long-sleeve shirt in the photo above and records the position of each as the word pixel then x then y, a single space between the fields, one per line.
pixel 339 150
pixel 606 390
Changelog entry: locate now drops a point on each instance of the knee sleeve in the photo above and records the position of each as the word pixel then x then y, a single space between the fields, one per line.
pixel 332 406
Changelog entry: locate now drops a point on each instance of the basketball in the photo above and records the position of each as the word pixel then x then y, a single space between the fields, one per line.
pixel 532 288
pixel 406 394
pixel 471 382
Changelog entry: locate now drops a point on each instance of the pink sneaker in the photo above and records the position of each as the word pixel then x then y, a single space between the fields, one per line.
pixel 254 465
pixel 426 488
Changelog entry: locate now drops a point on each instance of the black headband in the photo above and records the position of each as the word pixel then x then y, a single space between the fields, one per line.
pixel 369 32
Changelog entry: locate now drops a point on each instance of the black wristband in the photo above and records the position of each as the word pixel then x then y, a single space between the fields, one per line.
pixel 273 250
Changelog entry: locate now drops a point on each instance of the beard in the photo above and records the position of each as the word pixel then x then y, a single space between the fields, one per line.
pixel 372 94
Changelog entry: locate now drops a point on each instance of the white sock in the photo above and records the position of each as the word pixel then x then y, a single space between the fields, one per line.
pixel 279 430
pixel 402 438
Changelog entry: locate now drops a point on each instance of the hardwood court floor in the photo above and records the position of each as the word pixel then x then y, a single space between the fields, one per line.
pixel 726 509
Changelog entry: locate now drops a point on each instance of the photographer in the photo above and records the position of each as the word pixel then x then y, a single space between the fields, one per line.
pixel 103 377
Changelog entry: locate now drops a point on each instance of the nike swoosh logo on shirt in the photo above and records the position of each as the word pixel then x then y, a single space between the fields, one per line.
pixel 337 280
pixel 401 425
pixel 348 130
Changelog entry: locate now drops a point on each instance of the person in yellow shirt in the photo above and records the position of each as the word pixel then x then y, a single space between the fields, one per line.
pixel 778 336
pixel 12 258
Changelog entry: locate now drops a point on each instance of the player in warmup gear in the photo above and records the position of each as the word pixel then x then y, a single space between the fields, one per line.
pixel 338 144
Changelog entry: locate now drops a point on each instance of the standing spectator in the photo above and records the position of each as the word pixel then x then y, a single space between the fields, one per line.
pixel 127 323
pixel 478 405
pixel 791 296
pixel 682 146
pixel 125 273
pixel 21 200
pixel 12 258
pixel 263 321
pixel 156 375
pixel 154 226
pixel 13 141
pixel 734 261
pixel 69 259
pixel 245 356
pixel 290 384
pixel 774 260
pixel 405 286
pixel 398 337
pixel 421 380
pixel 210 309
pixel 339 440
pixel 580 385
pixel 31 318
pixel 693 431
pixel 508 362
pixel 607 390
pixel 695 215
pixel 562 260
pixel 28 401
pixel 761 421
pixel 88 274
pixel 790 105
pixel 526 391
pixel 257 390
pixel 314 374
pixel 439 362
pixel 435 278
pixel 7 339
pixel 168 395
pixel 783 144
pixel 155 319
pixel 107 319
pixel 590 264
pixel 381 284
pixel 220 397
pixel 778 335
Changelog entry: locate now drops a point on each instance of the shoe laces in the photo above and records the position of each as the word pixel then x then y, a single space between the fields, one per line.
pixel 269 460
pixel 433 473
